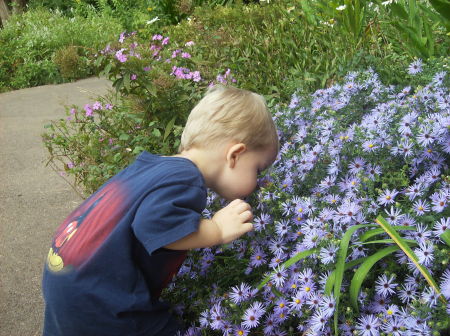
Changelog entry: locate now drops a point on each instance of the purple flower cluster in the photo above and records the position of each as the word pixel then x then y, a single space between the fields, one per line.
pixel 348 153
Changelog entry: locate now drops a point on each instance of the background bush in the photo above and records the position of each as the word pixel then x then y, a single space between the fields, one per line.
pixel 43 47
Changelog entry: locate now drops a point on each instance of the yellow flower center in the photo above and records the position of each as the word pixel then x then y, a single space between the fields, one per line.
pixel 297 301
pixel 371 145
pixel 307 289
pixel 388 197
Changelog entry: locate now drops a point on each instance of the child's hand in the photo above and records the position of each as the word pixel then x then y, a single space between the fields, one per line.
pixel 234 220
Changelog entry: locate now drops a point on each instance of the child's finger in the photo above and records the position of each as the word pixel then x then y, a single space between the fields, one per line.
pixel 247 227
pixel 246 216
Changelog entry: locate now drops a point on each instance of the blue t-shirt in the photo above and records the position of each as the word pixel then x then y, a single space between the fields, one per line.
pixel 107 266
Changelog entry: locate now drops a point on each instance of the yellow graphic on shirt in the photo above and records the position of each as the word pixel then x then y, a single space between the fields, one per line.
pixel 54 261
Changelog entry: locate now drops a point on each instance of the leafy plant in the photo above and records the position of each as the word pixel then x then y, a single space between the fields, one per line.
pixel 412 20
pixel 30 42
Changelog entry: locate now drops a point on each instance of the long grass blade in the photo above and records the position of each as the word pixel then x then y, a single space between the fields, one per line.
pixel 409 253
pixel 388 241
pixel 369 234
pixel 362 271
pixel 446 237
pixel 332 277
pixel 340 267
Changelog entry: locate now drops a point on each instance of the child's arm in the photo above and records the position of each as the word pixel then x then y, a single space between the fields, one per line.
pixel 227 224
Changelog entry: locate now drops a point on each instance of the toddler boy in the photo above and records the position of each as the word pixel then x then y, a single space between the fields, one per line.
pixel 113 255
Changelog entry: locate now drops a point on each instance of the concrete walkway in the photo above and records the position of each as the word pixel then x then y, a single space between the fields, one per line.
pixel 33 198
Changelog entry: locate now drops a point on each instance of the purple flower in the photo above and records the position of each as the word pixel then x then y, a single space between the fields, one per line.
pixel 279 276
pixel 258 257
pixel 415 67
pixel 122 37
pixel 185 55
pixel 97 106
pixel 387 197
pixel 253 314
pixel 120 56
pixel 425 253
pixel 368 325
pixel 407 293
pixel 420 207
pixel 327 254
pixel 385 286
pixel 89 110
pixel 328 304
pixel 240 293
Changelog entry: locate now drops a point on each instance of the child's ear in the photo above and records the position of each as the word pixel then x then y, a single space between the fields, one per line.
pixel 234 152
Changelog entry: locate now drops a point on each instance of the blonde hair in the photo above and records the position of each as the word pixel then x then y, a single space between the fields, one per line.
pixel 229 113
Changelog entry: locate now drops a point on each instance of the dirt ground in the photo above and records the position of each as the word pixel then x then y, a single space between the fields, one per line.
pixel 33 198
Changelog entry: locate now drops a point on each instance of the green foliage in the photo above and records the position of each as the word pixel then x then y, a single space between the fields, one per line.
pixel 418 26
pixel 94 147
pixel 31 41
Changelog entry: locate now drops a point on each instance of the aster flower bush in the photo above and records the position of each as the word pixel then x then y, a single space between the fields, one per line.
pixel 317 263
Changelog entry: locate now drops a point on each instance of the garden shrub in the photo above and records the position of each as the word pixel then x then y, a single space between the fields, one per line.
pixel 349 153
pixel 30 41
pixel 156 83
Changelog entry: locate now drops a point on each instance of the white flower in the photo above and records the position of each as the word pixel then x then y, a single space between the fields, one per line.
pixel 341 8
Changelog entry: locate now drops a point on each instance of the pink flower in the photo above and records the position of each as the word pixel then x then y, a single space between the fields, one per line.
pixel 133 77
pixel 190 43
pixel 108 107
pixel 120 56
pixel 196 76
pixel 157 37
pixel 97 106
pixel 175 53
pixel 186 55
pixel 122 37
pixel 89 111
pixel 165 41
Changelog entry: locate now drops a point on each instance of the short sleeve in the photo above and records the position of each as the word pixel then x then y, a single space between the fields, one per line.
pixel 168 214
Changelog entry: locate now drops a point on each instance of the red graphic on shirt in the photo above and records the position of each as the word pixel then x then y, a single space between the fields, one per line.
pixel 86 228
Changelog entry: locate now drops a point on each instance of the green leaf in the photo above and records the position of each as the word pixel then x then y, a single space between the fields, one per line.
pixel 288 263
pixel 156 132
pixel 363 270
pixel 169 127
pixel 388 241
pixel 332 277
pixel 340 267
pixel 368 234
pixel 442 7
pixel 398 10
pixel 124 137
pixel 446 237
pixel 138 149
pixel 409 253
